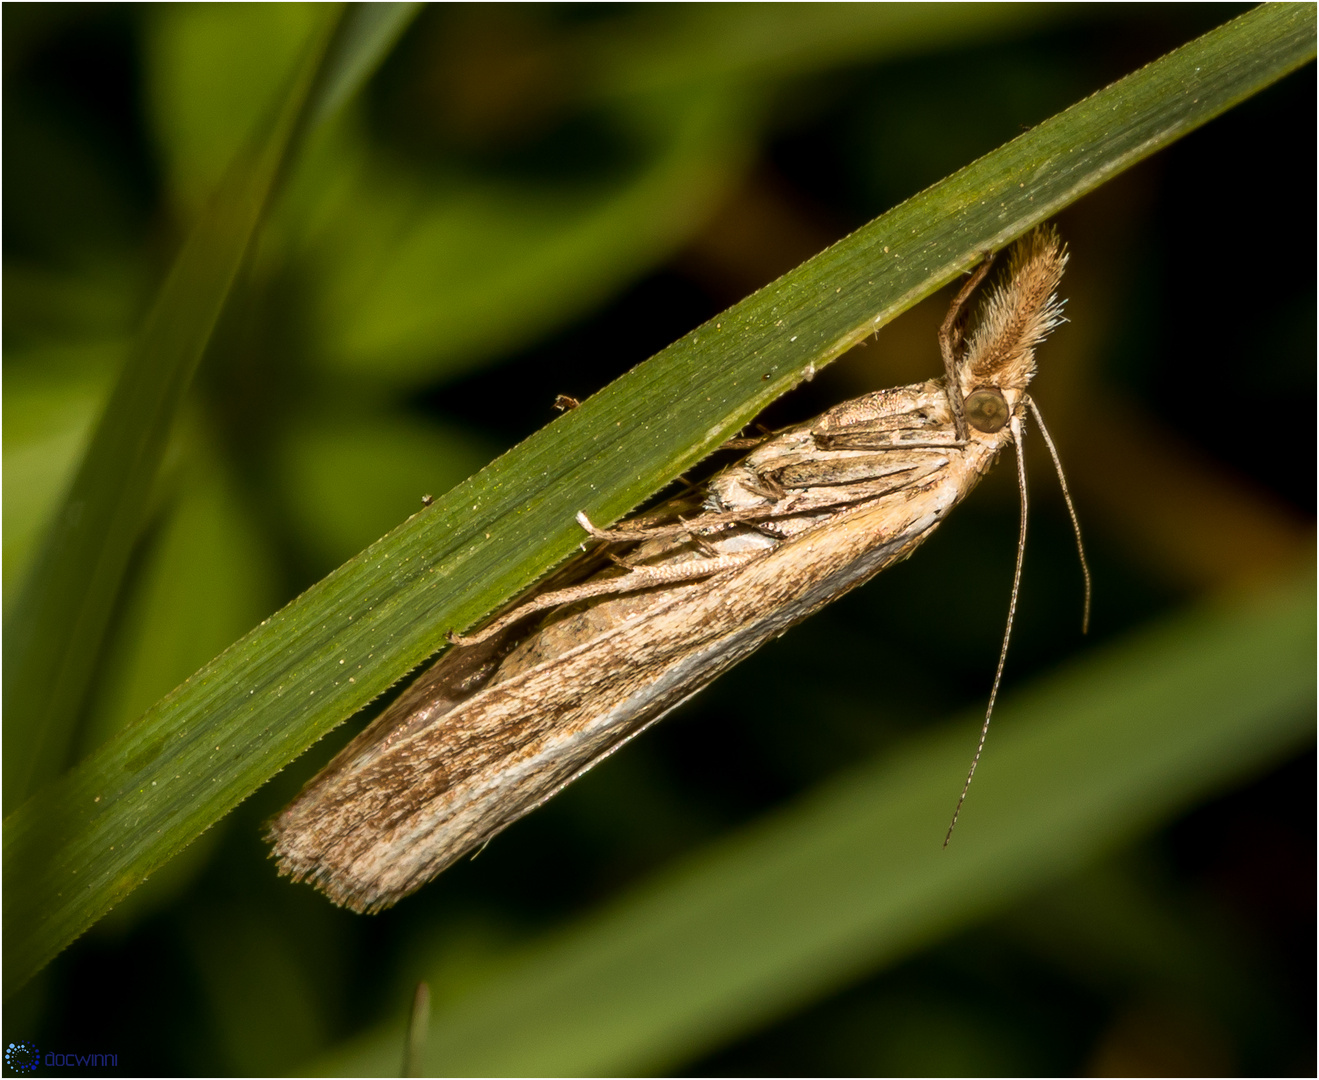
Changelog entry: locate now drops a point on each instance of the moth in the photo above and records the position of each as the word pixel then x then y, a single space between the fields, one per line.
pixel 658 607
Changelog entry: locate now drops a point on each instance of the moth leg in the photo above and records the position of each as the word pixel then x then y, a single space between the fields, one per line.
pixel 636 579
pixel 955 444
pixel 766 486
pixel 749 442
pixel 712 520
pixel 950 339
pixel 879 441
pixel 630 562
pixel 914 429
pixel 857 470
pixel 704 546
pixel 640 532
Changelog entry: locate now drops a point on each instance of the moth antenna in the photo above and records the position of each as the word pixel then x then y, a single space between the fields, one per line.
pixel 1071 510
pixel 1007 632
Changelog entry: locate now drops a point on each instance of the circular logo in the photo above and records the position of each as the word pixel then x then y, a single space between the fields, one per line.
pixel 22 1057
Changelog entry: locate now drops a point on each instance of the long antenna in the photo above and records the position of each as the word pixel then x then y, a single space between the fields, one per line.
pixel 1071 510
pixel 1007 633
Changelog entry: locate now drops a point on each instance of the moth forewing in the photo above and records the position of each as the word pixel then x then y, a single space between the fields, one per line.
pixel 509 716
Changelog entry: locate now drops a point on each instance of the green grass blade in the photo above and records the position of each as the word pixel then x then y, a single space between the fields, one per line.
pixel 91 838
pixel 366 36
pixel 53 639
pixel 854 876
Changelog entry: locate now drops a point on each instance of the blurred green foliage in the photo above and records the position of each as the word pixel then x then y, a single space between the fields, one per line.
pixel 526 201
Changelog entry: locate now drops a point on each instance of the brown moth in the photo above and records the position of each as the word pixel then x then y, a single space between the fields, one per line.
pixel 664 604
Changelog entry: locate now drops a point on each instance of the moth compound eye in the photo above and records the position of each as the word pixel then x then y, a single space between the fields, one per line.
pixel 986 410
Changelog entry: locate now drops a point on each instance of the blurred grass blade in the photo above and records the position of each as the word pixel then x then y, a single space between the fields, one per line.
pixel 88 840
pixel 854 877
pixel 55 633
pixel 729 43
pixel 366 36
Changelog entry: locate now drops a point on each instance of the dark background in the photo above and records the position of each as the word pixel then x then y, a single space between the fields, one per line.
pixel 1181 394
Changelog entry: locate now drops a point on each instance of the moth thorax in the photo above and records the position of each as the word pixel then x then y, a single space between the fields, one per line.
pixel 986 410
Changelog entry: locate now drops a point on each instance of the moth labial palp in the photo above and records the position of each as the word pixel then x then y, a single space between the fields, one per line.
pixel 664 603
